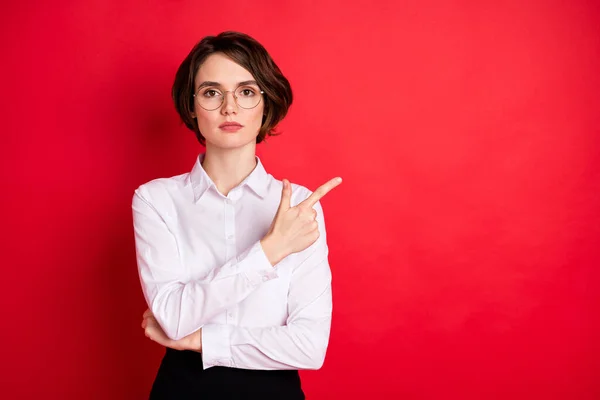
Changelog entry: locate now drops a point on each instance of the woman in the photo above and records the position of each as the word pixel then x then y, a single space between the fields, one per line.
pixel 233 262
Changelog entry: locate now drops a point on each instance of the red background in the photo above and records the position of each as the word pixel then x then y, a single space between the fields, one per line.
pixel 464 239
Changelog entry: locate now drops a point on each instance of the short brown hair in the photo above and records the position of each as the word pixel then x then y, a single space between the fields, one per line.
pixel 251 55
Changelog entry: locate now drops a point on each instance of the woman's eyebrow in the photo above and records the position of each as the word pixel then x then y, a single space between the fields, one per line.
pixel 211 83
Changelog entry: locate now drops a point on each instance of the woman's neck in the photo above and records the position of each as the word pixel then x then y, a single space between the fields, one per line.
pixel 229 167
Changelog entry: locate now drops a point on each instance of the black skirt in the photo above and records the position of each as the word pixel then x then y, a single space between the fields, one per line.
pixel 181 377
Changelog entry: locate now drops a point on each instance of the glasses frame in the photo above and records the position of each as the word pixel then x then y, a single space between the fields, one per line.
pixel 223 99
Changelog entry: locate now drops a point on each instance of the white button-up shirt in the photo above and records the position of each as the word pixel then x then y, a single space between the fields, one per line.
pixel 201 265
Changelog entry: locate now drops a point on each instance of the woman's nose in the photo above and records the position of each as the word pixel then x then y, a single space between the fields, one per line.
pixel 229 104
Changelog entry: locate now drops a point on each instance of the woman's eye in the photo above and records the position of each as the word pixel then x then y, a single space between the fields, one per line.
pixel 247 92
pixel 211 93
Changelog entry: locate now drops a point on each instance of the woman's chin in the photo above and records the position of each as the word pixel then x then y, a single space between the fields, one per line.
pixel 230 141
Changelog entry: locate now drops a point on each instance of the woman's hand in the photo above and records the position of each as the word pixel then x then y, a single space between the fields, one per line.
pixel 294 228
pixel 153 331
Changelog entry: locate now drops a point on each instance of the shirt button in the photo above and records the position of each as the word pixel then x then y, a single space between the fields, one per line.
pixel 229 236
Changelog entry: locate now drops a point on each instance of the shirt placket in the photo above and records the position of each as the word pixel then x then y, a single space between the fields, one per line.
pixel 230 245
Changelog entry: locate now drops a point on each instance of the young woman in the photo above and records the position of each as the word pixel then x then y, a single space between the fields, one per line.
pixel 232 262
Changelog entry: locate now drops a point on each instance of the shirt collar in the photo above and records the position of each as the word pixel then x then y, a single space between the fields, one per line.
pixel 257 180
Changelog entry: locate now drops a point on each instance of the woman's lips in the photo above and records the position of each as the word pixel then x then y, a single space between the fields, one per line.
pixel 230 127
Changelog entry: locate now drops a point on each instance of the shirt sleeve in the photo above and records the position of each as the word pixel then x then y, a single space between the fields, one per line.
pixel 179 306
pixel 301 343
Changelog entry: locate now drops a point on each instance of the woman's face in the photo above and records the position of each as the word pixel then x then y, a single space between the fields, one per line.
pixel 220 75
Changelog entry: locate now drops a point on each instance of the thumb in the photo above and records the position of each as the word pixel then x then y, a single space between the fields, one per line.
pixel 286 194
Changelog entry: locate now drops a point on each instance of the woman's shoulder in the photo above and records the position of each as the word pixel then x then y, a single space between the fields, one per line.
pixel 159 187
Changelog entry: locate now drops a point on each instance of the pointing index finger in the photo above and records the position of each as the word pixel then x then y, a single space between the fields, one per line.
pixel 320 192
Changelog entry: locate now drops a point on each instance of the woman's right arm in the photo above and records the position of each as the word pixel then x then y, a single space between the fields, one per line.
pixel 181 307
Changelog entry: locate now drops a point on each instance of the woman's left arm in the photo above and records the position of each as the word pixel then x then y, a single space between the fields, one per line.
pixel 302 342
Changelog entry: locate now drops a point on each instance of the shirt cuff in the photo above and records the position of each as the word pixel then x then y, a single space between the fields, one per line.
pixel 216 346
pixel 257 268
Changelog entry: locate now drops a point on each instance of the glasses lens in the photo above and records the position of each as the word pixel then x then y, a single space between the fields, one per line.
pixel 247 96
pixel 209 99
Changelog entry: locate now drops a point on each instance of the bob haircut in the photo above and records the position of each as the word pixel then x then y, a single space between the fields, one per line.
pixel 251 55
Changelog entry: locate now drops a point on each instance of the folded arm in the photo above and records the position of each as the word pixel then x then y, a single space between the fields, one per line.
pixel 181 306
pixel 301 343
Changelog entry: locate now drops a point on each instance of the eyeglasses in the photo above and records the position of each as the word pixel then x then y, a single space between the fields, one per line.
pixel 245 96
